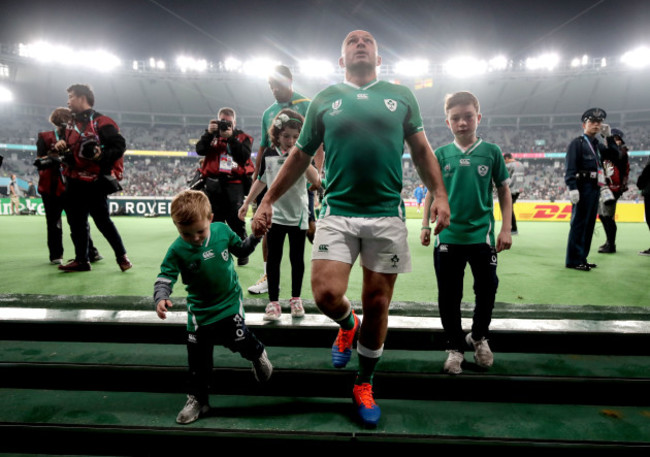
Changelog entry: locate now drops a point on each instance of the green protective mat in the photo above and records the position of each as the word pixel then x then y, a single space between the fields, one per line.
pixel 263 415
pixel 425 362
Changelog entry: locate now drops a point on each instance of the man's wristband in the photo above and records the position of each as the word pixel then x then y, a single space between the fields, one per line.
pixel 426 228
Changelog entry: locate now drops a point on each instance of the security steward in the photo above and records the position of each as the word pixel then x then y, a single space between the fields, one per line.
pixel 585 177
pixel 227 169
pixel 94 165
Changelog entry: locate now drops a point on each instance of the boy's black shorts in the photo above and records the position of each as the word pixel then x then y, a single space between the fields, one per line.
pixel 230 332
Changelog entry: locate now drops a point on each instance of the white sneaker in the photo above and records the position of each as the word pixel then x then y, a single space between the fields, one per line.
pixel 273 311
pixel 191 411
pixel 482 354
pixel 297 309
pixel 454 362
pixel 262 368
pixel 260 287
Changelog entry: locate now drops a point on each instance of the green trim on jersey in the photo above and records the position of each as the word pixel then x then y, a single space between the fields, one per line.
pixel 469 178
pixel 363 131
pixel 292 208
pixel 208 272
pixel 298 103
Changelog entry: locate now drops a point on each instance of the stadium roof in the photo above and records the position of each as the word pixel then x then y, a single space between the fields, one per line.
pixel 292 30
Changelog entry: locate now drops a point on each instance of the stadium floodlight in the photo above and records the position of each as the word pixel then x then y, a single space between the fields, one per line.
pixel 498 63
pixel 412 67
pixel 637 58
pixel 580 61
pixel 315 68
pixel 464 67
pixel 260 67
pixel 191 64
pixel 64 55
pixel 98 60
pixel 543 62
pixel 232 64
pixel 6 95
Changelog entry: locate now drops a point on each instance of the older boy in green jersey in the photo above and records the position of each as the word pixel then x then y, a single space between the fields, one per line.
pixel 215 312
pixel 362 124
pixel 470 169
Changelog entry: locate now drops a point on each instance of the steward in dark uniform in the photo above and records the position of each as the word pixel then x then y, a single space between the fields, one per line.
pixel 584 177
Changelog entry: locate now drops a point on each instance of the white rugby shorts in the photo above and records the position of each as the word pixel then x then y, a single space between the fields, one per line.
pixel 382 242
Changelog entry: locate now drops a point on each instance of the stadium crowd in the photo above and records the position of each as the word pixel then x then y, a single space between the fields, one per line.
pixel 160 175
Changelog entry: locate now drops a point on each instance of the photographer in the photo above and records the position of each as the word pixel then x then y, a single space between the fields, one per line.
pixel 617 172
pixel 93 167
pixel 51 184
pixel 585 179
pixel 226 168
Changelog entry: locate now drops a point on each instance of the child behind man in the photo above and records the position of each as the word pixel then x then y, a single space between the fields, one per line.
pixel 215 313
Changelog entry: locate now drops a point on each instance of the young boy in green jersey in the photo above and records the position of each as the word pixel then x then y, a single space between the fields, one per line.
pixel 215 312
pixel 470 169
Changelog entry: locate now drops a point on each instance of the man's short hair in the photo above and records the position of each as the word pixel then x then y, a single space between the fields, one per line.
pixel 190 206
pixel 281 72
pixel 461 98
pixel 60 116
pixel 507 155
pixel 228 112
pixel 83 90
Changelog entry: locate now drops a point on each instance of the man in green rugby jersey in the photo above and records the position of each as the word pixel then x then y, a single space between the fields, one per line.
pixel 362 124
pixel 471 168
pixel 281 86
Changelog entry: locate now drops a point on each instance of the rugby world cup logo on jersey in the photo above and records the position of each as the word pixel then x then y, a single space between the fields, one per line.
pixel 482 170
pixel 390 104
pixel 336 107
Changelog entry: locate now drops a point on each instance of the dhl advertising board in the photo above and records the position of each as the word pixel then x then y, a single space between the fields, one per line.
pixel 561 211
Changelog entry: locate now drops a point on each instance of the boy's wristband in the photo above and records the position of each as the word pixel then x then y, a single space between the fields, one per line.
pixel 426 228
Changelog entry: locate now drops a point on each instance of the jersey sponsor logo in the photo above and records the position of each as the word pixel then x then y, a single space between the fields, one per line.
pixel 208 254
pixel 225 255
pixel 483 170
pixel 464 162
pixel 323 247
pixel 390 104
pixel 362 96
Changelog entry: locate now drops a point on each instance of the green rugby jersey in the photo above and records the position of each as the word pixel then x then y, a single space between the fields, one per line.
pixel 469 178
pixel 297 103
pixel 293 207
pixel 208 272
pixel 363 131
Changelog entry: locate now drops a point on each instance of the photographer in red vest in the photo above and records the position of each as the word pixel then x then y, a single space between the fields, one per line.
pixel 93 157
pixel 227 169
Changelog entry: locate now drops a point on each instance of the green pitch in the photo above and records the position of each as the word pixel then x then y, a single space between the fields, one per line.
pixel 532 272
